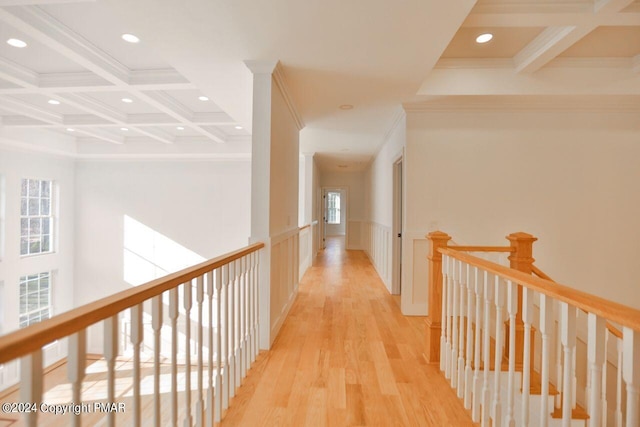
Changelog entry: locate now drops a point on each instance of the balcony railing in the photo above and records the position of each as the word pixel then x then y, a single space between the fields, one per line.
pixel 200 323
pixel 583 371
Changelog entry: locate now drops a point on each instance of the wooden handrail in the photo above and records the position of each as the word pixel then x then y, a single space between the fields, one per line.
pixel 24 341
pixel 621 314
pixel 615 331
pixel 304 226
pixel 482 248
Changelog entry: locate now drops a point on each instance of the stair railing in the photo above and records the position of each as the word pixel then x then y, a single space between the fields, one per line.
pixel 216 300
pixel 480 302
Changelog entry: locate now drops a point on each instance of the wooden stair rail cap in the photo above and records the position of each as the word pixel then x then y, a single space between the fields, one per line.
pixel 621 314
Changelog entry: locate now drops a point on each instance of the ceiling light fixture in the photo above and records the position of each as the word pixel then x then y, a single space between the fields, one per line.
pixel 53 102
pixel 203 98
pixel 124 129
pixel 127 100
pixel 70 130
pixel 238 127
pixel 180 128
pixel 483 38
pixel 17 43
pixel 346 107
pixel 130 38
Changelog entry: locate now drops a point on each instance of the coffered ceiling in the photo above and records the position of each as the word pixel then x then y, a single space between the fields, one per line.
pixel 374 55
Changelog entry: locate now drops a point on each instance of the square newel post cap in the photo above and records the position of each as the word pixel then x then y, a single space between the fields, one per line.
pixel 437 239
pixel 438 235
pixel 521 236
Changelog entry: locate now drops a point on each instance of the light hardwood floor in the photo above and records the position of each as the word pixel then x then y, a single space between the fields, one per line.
pixel 346 356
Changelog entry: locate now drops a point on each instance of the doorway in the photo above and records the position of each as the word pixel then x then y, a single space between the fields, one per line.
pixel 396 268
pixel 334 215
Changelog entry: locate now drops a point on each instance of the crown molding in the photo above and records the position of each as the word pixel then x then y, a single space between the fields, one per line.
pixel 574 62
pixel 550 104
pixel 279 77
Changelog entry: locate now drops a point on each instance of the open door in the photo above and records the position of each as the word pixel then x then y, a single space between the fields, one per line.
pixel 396 278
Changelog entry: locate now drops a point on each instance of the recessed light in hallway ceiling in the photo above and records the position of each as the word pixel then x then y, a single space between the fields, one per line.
pixel 130 38
pixel 346 107
pixel 53 102
pixel 127 100
pixel 203 98
pixel 17 43
pixel 238 127
pixel 484 38
pixel 179 127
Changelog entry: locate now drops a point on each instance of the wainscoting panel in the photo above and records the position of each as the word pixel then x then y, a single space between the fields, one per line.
pixel 285 259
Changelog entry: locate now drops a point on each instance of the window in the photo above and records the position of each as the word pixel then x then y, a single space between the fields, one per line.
pixel 35 215
pixel 333 207
pixel 35 298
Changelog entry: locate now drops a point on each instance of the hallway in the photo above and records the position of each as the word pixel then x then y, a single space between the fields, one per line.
pixel 345 356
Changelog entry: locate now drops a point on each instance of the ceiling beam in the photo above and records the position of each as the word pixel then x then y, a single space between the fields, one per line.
pixel 556 39
pixel 17 74
pixel 480 20
pixel 30 110
pixel 132 120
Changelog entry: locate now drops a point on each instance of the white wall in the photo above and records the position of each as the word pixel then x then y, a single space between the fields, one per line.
pixel 15 165
pixel 354 183
pixel 568 178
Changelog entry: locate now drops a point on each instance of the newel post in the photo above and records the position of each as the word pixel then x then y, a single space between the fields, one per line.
pixel 437 240
pixel 521 259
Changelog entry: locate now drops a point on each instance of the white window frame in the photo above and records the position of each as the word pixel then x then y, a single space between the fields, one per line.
pixel 34 222
pixel 33 285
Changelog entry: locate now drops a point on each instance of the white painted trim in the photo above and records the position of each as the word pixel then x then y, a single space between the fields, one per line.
pixel 277 325
pixel 499 105
pixel 281 82
pixel 407 305
pixel 279 238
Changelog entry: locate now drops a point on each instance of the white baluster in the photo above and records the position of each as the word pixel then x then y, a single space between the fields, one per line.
pixel 173 316
pixel 454 324
pixel 512 309
pixel 468 377
pixel 225 336
pixel 245 315
pixel 156 324
pixel 486 353
pixel 619 384
pixel 605 409
pixel 595 357
pixel 231 320
pixel 76 361
pixel 559 375
pixel 136 340
pixel 475 404
pixel 631 371
pixel 568 337
pixel 527 318
pixel 187 302
pixel 110 326
pixel 31 385
pixel 210 390
pixel 499 303
pixel 450 298
pixel 256 303
pixel 546 328
pixel 200 345
pixel 462 312
pixel 443 321
pixel 238 321
pixel 219 344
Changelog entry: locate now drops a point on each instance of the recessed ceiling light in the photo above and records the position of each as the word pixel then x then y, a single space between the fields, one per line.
pixel 53 102
pixel 127 100
pixel 346 107
pixel 238 127
pixel 180 128
pixel 130 38
pixel 124 129
pixel 203 98
pixel 17 43
pixel 70 130
pixel 483 38
pixel 342 166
